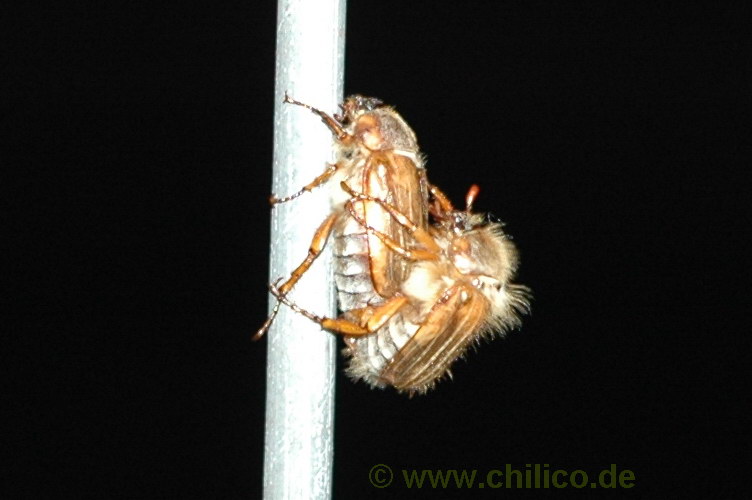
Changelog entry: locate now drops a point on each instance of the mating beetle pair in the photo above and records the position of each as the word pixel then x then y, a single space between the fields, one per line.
pixel 418 281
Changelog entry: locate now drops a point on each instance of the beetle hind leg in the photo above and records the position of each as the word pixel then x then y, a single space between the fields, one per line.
pixel 370 318
pixel 421 235
pixel 317 245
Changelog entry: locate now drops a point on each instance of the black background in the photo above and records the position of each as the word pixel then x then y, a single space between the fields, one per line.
pixel 138 139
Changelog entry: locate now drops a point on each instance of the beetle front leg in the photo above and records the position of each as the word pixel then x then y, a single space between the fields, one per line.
pixel 328 120
pixel 318 181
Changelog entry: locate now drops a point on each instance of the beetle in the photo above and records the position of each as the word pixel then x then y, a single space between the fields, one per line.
pixel 376 153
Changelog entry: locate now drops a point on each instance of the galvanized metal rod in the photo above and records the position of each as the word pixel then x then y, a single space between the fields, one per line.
pixel 298 448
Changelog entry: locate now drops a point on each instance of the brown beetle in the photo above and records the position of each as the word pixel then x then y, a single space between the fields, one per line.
pixel 377 154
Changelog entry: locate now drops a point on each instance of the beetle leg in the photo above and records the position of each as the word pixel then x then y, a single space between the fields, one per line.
pixel 441 199
pixel 413 254
pixel 317 244
pixel 329 121
pixel 319 180
pixel 336 129
pixel 420 234
pixel 374 317
pixel 371 318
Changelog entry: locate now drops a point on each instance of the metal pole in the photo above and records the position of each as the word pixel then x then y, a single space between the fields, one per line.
pixel 298 448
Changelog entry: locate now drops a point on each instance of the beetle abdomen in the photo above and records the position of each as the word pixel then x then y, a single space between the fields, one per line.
pixel 352 272
pixel 370 354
